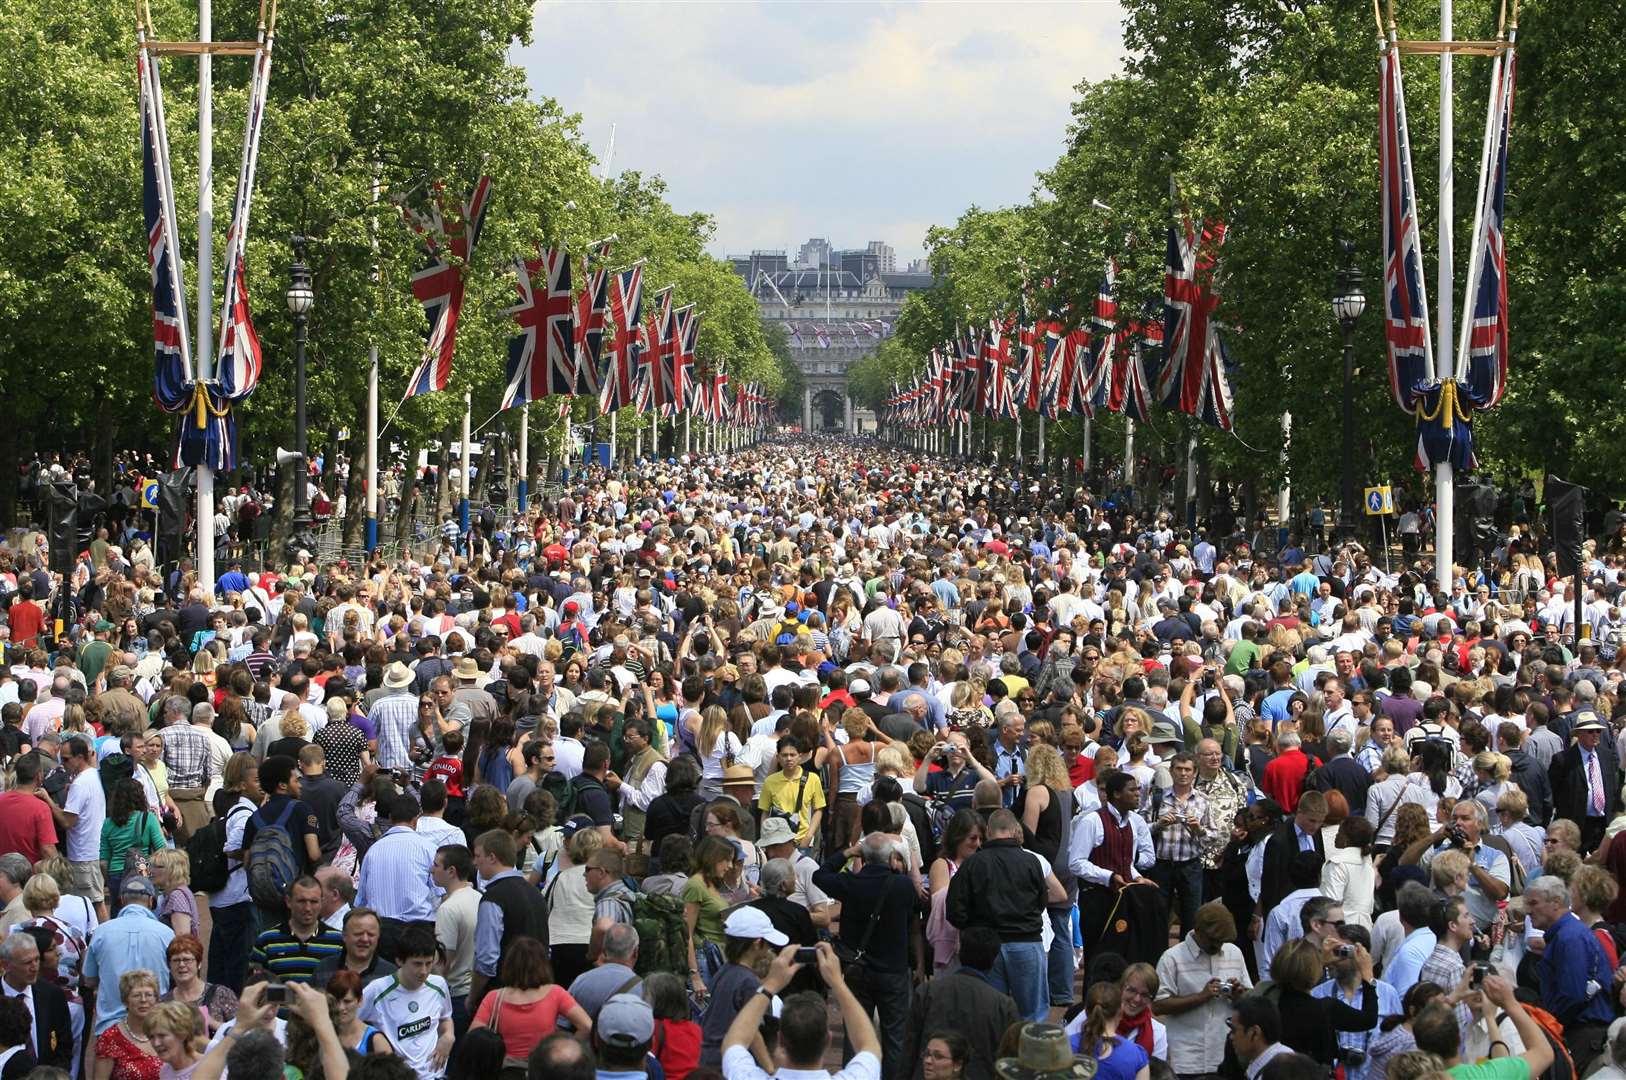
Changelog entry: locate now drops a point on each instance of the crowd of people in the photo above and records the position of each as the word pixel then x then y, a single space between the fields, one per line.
pixel 1012 778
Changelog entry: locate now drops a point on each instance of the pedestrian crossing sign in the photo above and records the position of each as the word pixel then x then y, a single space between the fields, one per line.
pixel 1379 500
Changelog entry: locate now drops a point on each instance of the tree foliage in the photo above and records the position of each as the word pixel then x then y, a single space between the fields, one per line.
pixel 1265 114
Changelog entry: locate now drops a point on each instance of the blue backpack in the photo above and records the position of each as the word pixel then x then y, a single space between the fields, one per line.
pixel 271 861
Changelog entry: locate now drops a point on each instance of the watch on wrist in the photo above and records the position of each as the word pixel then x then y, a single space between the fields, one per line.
pixel 763 991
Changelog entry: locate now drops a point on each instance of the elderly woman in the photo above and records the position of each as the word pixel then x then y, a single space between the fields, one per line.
pixel 43 898
pixel 215 1003
pixel 125 1051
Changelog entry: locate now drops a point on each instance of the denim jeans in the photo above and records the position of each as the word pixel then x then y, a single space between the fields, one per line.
pixel 1020 972
pixel 1185 878
pixel 1060 960
pixel 886 992
pixel 235 928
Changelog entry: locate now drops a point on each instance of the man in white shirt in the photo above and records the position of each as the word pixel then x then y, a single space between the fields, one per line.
pixel 455 920
pixel 395 877
pixel 80 820
pixel 1198 980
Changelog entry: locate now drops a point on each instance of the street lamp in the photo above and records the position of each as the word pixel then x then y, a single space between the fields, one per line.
pixel 1348 303
pixel 301 299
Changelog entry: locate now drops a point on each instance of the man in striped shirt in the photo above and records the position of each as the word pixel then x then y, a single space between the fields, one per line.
pixel 290 952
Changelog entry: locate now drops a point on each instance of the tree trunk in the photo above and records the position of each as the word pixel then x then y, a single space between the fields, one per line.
pixel 355 498
pixel 409 495
pixel 106 430
pixel 442 483
pixel 282 516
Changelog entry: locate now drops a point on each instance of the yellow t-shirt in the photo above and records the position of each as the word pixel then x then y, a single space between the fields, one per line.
pixel 779 793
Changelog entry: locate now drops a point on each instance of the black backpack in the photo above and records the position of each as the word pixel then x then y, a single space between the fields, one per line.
pixel 206 855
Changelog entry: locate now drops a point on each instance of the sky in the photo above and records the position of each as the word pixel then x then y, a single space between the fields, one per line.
pixel 788 119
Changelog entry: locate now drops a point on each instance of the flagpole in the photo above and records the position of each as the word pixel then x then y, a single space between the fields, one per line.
pixel 463 479
pixel 1129 455
pixel 524 486
pixel 1444 490
pixel 1089 426
pixel 613 417
pixel 205 341
pixel 372 450
pixel 1038 453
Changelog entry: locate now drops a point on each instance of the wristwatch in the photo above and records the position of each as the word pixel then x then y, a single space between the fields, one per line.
pixel 763 991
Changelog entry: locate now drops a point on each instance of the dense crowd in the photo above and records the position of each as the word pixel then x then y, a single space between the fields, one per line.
pixel 1015 778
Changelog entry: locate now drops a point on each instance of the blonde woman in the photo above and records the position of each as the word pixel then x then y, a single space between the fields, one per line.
pixel 173 1031
pixel 295 735
pixel 966 708
pixel 125 1051
pixel 570 906
pixel 42 897
pixel 171 872
pixel 717 746
pixel 1492 775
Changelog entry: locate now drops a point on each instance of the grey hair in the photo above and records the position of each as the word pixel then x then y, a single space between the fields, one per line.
pixel 1338 742
pixel 16 867
pixel 204 712
pixel 256 1056
pixel 878 849
pixel 1288 740
pixel 1549 887
pixel 1481 815
pixel 621 941
pixel 778 877
pixel 176 705
pixel 16 946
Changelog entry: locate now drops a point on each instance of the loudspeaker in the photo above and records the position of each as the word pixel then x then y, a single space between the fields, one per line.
pixel 62 523
pixel 288 457
pixel 1567 503
pixel 173 490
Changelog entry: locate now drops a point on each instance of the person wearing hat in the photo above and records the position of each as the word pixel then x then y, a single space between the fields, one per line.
pixel 134 940
pixel 777 840
pixel 622 1034
pixel 1198 980
pixel 804 1026
pixel 1045 1052
pixel 393 717
pixel 96 653
pixel 749 940
pixel 1586 779
pixel 466 670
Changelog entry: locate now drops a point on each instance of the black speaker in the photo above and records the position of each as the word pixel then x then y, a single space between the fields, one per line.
pixel 174 488
pixel 62 523
pixel 1567 504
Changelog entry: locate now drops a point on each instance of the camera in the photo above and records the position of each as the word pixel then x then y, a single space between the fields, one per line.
pixel 1477 977
pixel 807 955
pixel 1456 836
pixel 276 993
pixel 1351 1057
pixel 1344 952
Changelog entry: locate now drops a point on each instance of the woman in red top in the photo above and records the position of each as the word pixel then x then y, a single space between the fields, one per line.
pixel 124 1051
pixel 528 1007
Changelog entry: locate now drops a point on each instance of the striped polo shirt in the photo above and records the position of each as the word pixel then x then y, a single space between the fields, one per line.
pixel 291 959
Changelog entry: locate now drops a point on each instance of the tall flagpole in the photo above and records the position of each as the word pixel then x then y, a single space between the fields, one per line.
pixel 206 290
pixel 372 449
pixel 1444 491
pixel 1129 454
pixel 463 478
pixel 524 485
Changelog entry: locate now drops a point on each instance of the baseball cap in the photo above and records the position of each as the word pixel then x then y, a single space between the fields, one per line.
pixel 750 922
pixel 858 687
pixel 136 885
pixel 626 1020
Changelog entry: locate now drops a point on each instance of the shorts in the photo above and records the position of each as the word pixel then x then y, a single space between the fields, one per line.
pixel 87 880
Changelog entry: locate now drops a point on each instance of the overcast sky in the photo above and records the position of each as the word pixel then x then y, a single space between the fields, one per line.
pixel 799 118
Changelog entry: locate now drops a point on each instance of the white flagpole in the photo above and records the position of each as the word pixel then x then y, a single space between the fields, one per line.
pixel 613 418
pixel 1444 491
pixel 372 449
pixel 523 487
pixel 206 349
pixel 463 479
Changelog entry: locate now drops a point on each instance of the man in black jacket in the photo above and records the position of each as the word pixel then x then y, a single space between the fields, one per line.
pixel 52 1030
pixel 1302 833
pixel 877 904
pixel 1342 773
pixel 1585 780
pixel 1527 773
pixel 1005 889
pixel 966 1001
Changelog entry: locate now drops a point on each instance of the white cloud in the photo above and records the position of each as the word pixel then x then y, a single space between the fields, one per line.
pixel 855 121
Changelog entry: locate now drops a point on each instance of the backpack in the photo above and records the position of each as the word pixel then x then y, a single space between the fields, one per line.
pixel 557 784
pixel 1563 1066
pixel 271 861
pixel 663 936
pixel 571 639
pixel 115 767
pixel 788 629
pixel 206 855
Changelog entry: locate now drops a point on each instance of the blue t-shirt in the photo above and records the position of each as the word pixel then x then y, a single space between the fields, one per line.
pixel 1128 1058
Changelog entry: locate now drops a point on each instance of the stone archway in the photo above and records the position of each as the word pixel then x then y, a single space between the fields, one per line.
pixel 827 406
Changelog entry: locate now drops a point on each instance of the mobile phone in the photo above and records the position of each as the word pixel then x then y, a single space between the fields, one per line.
pixel 1477 979
pixel 807 955
pixel 276 993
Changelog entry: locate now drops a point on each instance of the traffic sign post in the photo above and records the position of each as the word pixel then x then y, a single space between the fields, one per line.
pixel 1380 502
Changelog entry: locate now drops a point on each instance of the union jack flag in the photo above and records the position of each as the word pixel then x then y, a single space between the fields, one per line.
pixel 1486 341
pixel 592 308
pixel 240 362
pixel 1194 377
pixel 1406 332
pixel 439 285
pixel 626 308
pixel 655 370
pixel 1059 377
pixel 1030 371
pixel 686 332
pixel 1129 388
pixel 996 347
pixel 541 357
pixel 1096 349
pixel 172 352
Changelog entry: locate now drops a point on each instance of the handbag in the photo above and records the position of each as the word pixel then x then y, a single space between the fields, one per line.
pixel 513 1068
pixel 853 959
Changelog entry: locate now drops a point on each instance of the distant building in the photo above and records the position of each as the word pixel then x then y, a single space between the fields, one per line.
pixel 832 317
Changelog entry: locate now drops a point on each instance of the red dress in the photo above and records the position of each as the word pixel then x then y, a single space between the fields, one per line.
pixel 130 1062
